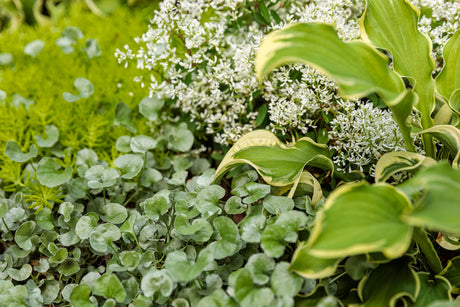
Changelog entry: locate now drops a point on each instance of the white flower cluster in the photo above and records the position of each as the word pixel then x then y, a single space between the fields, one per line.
pixel 202 58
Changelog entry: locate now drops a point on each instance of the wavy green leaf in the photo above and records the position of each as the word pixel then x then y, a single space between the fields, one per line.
pixel 360 218
pixel 452 273
pixel 393 162
pixel 450 137
pixel 392 25
pixel 448 80
pixel 438 206
pixel 432 289
pixel 277 163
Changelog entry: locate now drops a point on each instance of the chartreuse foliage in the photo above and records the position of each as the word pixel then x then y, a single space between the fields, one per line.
pixel 377 220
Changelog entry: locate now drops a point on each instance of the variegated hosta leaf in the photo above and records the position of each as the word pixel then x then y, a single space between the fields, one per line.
pixel 438 207
pixel 356 219
pixel 277 163
pixel 357 68
pixel 448 242
pixel 307 178
pixel 450 137
pixel 308 266
pixel 393 162
pixel 448 80
pixel 392 25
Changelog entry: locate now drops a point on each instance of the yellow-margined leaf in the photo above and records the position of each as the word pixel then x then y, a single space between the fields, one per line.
pixel 448 80
pixel 393 162
pixel 450 137
pixel 277 163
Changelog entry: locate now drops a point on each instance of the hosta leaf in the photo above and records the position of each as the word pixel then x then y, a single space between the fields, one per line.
pixel 142 144
pixel 277 163
pixel 450 137
pixel 228 232
pixel 284 282
pixel 52 136
pixel 48 173
pixel 259 265
pixel 438 207
pixel 109 286
pixel 389 282
pixel 393 25
pixel 432 289
pixel 357 68
pixel 360 218
pixel 452 273
pixel 150 107
pixel 80 296
pixel 130 164
pixel 13 151
pixel 448 80
pixel 182 270
pixel 157 283
pixel 393 162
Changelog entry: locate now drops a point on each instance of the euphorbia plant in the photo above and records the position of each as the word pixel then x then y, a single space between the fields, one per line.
pixel 378 220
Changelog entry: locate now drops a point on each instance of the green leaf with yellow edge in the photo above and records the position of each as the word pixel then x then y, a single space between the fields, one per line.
pixel 392 25
pixel 357 68
pixel 431 289
pixel 448 80
pixel 360 218
pixel 398 161
pixel 389 282
pixel 450 137
pixel 452 273
pixel 309 266
pixel 438 207
pixel 277 163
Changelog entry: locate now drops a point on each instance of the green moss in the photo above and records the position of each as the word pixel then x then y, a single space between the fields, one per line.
pixel 87 122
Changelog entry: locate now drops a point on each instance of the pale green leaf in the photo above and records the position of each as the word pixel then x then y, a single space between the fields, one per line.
pixel 155 206
pixel 272 240
pixel 150 107
pixel 277 163
pixel 207 200
pixel 20 274
pixel 438 207
pixel 13 151
pixel 34 47
pixel 24 234
pixel 123 143
pixel 399 161
pixel 130 164
pixel 92 48
pixel 123 117
pixel 284 282
pixel 69 267
pixel 357 68
pixel 181 139
pixel 114 213
pixel 103 236
pixel 278 204
pixel 109 286
pixel 260 266
pixel 360 218
pixel 48 173
pixel 393 25
pixel 182 269
pixel 80 296
pixel 251 228
pixel 228 232
pixel 52 136
pixel 142 144
pixel 84 86
pixel 66 209
pixel 157 283
pixel 450 137
pixel 86 224
pixel 245 293
pixel 448 80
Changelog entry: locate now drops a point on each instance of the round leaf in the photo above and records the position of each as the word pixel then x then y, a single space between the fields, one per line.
pixel 104 235
pixel 109 286
pixel 284 282
pixel 80 296
pixel 33 48
pixel 48 173
pixel 84 87
pixel 142 143
pixel 157 283
pixel 85 225
pixel 13 151
pixel 155 206
pixel 150 106
pixel 52 136
pixel 130 164
pixel 115 213
pixel 24 234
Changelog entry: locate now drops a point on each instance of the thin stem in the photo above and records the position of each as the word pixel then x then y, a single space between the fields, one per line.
pixel 427 250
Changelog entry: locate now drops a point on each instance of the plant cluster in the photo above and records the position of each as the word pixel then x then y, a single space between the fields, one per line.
pixel 201 56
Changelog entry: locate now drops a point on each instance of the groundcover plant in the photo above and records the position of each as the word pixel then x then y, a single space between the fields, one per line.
pixel 141 217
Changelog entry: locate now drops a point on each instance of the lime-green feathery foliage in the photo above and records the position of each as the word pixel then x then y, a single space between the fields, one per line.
pixel 42 79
